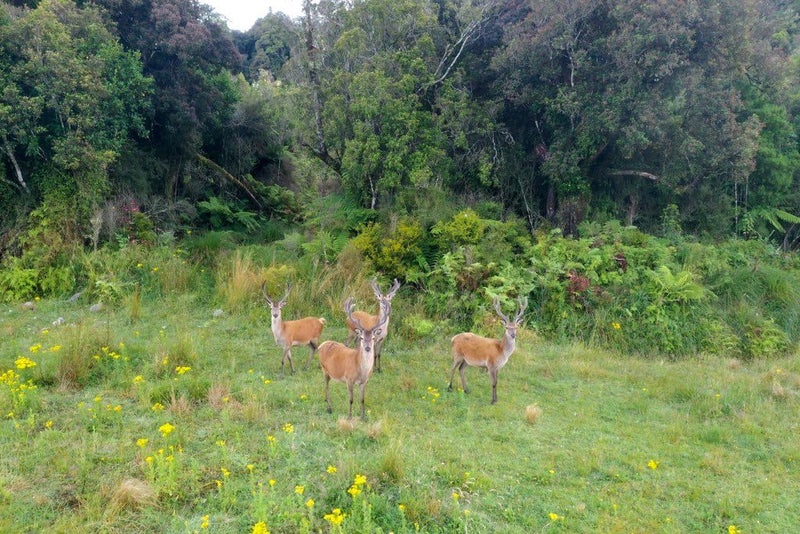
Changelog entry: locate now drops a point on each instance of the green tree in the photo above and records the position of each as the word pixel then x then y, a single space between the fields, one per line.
pixel 71 96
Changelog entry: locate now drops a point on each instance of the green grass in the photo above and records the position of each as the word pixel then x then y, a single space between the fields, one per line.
pixel 622 444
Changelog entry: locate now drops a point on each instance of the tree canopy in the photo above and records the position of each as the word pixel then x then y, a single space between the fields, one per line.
pixel 561 111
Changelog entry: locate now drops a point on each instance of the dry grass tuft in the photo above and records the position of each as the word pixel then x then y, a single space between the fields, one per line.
pixel 734 364
pixel 533 413
pixel 132 494
pixel 218 396
pixel 374 430
pixel 346 425
pixel 778 391
pixel 180 406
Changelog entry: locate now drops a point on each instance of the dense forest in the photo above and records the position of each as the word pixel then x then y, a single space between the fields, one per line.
pixel 443 140
pixel 558 112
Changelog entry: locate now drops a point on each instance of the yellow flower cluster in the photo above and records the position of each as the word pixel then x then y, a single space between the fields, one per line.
pixel 432 394
pixel 24 363
pixel 260 528
pixel 166 429
pixel 355 488
pixel 336 517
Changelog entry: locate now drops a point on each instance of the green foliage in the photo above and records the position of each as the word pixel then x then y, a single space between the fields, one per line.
pixel 16 282
pixel 221 214
pixel 465 228
pixel 72 96
pixel 207 245
pixel 397 252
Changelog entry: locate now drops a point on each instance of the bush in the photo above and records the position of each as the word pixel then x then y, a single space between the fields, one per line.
pixel 397 253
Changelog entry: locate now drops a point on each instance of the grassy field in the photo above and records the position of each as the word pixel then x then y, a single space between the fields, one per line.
pixel 156 416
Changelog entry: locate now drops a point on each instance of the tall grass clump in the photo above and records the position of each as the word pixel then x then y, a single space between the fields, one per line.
pixel 83 348
pixel 238 280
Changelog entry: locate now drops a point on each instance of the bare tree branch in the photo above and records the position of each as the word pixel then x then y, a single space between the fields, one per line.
pixel 17 170
pixel 640 174
pixel 452 53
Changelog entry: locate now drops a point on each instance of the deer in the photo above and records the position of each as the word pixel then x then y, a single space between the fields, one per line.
pixel 306 331
pixel 369 321
pixel 352 365
pixel 487 353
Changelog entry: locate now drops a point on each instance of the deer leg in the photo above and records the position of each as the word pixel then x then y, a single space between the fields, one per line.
pixel 363 408
pixel 287 354
pixel 493 379
pixel 311 354
pixel 350 389
pixel 456 363
pixel 378 347
pixel 461 368
pixel 328 392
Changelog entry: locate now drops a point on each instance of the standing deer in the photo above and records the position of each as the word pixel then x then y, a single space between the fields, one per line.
pixel 287 334
pixel 369 321
pixel 352 366
pixel 490 354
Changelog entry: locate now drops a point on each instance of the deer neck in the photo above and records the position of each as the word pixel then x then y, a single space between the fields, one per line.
pixel 508 344
pixel 366 358
pixel 277 328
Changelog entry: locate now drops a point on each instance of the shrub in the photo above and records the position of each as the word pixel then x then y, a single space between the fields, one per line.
pixel 396 253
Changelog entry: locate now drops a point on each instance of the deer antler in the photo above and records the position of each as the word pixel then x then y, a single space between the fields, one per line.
pixel 286 295
pixel 523 305
pixel 496 303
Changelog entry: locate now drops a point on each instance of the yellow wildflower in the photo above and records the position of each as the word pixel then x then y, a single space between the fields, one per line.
pixel 166 429
pixel 554 517
pixel 310 503
pixel 141 442
pixel 335 518
pixel 652 464
pixel 288 428
pixel 331 469
pixel 299 489
pixel 23 363
pixel 204 524
pixel 260 528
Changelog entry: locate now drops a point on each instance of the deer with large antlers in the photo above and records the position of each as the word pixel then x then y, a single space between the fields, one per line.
pixel 306 331
pixel 488 353
pixel 352 366
pixel 369 321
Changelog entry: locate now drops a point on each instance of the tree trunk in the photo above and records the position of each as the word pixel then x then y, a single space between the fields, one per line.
pixel 13 159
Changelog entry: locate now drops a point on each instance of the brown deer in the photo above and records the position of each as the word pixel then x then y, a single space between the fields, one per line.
pixel 488 353
pixel 369 321
pixel 306 331
pixel 352 366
